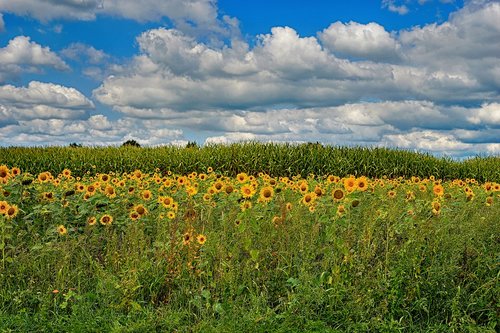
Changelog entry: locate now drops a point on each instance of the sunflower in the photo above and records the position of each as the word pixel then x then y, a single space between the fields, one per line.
pixel 137 174
pixel 110 191
pixel 245 205
pixel 103 177
pixel 4 173
pixel 207 197
pixel 308 198
pixel 191 190
pixel 303 187
pixel 438 190
pixel 11 212
pixel 141 210
pixel 489 201
pixel 4 206
pixel 247 191
pixel 350 184
pixel 186 238
pixel 340 209
pixel 166 201
pixel 106 219
pixel 134 215
pixel 338 194
pixel 266 194
pixel 62 230
pixel 146 194
pixel 91 220
pixel 229 189
pixel 171 215
pixel 218 185
pixel 15 171
pixel 210 170
pixel 288 206
pixel 242 177
pixel 391 194
pixel 201 239
pixel 202 176
pixel 80 187
pixel 362 184
pixel 318 191
pixel 43 177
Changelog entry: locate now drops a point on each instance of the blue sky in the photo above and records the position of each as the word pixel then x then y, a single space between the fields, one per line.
pixel 413 74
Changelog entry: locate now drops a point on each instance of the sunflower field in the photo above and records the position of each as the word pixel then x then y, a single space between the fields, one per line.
pixel 205 251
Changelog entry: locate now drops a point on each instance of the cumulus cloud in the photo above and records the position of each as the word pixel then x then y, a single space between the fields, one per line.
pixel 2 23
pixel 367 41
pixel 41 101
pixel 93 131
pixel 84 52
pixel 191 16
pixel 23 55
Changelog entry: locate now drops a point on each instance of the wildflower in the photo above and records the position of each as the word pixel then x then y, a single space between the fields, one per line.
pixel 62 230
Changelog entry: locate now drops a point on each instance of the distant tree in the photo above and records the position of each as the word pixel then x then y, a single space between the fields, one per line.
pixel 131 143
pixel 192 144
pixel 75 145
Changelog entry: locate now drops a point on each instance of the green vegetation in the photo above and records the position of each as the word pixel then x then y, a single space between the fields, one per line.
pixel 274 159
pixel 144 252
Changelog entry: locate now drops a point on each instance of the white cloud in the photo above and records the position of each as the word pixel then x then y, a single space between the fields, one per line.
pixel 23 55
pixel 190 16
pixel 84 52
pixel 368 41
pixel 2 23
pixel 391 6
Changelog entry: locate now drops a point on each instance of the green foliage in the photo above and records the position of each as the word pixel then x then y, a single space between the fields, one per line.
pixel 272 158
